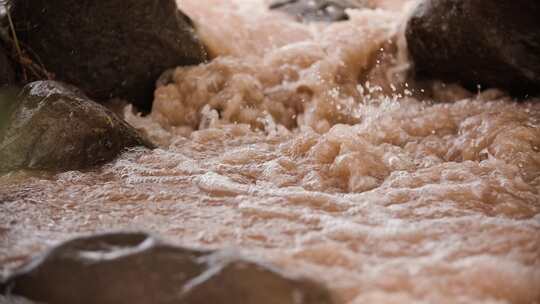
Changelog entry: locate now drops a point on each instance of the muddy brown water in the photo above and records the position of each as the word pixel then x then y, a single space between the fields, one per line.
pixel 304 146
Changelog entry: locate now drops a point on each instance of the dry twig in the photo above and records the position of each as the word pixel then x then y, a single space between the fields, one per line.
pixel 30 65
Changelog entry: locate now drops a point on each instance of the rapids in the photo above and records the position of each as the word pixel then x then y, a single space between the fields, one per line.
pixel 305 145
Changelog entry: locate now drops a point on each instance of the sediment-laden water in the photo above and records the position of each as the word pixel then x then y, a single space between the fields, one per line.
pixel 306 146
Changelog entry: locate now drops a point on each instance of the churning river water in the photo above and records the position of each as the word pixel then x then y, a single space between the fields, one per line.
pixel 306 146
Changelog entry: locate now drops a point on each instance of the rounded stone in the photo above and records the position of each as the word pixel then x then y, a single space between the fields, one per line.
pixel 478 43
pixel 114 48
pixel 53 126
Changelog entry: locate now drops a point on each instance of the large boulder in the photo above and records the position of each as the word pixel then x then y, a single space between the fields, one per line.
pixel 318 10
pixel 53 126
pixel 483 42
pixel 134 268
pixel 114 48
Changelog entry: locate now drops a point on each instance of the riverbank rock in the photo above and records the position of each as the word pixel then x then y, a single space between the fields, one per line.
pixel 115 48
pixel 134 268
pixel 52 126
pixel 318 10
pixel 486 43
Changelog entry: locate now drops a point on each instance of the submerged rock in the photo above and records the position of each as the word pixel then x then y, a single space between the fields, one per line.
pixel 318 10
pixel 114 48
pixel 54 126
pixel 487 43
pixel 134 268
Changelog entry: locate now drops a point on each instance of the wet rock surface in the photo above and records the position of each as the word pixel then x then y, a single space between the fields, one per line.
pixel 318 10
pixel 108 49
pixel 8 97
pixel 136 268
pixel 487 43
pixel 54 126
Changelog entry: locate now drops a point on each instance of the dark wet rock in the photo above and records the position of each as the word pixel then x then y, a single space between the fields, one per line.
pixel 487 43
pixel 318 10
pixel 7 73
pixel 15 300
pixel 53 126
pixel 8 97
pixel 134 268
pixel 115 48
